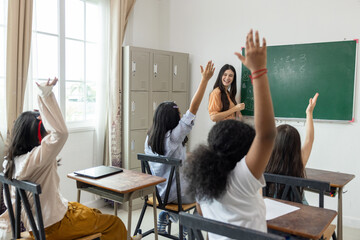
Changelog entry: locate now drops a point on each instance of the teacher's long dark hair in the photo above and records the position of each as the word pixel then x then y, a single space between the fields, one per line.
pixel 208 167
pixel 24 137
pixel 233 89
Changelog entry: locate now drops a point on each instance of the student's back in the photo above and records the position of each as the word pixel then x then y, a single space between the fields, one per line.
pixel 168 135
pixel 226 174
pixel 289 157
pixel 36 140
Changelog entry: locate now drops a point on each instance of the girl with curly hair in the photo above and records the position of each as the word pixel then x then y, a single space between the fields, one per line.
pixel 226 174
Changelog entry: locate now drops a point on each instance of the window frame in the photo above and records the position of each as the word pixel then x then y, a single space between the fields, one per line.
pixel 61 89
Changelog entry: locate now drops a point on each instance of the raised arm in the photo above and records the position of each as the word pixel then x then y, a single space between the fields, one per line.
pixel 309 126
pixel 198 96
pixel 261 148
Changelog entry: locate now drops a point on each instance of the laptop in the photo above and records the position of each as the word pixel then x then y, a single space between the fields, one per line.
pixel 98 172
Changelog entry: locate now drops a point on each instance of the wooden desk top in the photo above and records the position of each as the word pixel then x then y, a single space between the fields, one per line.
pixel 336 179
pixel 124 182
pixel 309 222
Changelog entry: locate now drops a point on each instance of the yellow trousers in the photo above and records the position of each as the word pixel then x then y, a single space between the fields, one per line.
pixel 80 221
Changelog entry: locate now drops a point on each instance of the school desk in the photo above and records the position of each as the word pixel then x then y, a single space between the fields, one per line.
pixel 306 222
pixel 121 187
pixel 337 180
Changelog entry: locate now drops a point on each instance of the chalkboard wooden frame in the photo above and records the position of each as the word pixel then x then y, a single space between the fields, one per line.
pixel 296 72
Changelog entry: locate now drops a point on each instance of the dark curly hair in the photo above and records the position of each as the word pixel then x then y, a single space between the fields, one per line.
pixel 208 167
pixel 24 138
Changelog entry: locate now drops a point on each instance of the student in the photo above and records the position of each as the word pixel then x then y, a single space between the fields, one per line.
pixel 222 103
pixel 36 140
pixel 288 157
pixel 167 137
pixel 226 174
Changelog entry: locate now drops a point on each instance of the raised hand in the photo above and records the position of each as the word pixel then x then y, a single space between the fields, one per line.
pixel 209 70
pixel 255 55
pixel 50 82
pixel 312 104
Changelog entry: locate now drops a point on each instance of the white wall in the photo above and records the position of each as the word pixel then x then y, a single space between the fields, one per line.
pixel 214 29
pixel 78 153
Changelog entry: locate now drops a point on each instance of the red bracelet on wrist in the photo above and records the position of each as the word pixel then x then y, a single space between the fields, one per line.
pixel 260 70
pixel 263 71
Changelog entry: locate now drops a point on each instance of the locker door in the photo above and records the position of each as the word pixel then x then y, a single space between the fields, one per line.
pixel 161 72
pixel 180 98
pixel 155 99
pixel 140 69
pixel 180 72
pixel 137 140
pixel 139 116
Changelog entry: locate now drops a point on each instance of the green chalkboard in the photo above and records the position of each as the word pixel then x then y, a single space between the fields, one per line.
pixel 297 72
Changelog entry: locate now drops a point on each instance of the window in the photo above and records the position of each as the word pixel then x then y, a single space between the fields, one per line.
pixel 66 43
pixel 3 30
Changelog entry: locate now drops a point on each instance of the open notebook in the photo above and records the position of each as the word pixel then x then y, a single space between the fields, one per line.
pixel 276 209
pixel 98 172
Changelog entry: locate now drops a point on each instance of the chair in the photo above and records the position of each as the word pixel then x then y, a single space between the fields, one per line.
pixel 291 186
pixel 164 205
pixel 21 199
pixel 196 223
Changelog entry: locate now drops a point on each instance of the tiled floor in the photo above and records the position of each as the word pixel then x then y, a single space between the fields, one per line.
pixel 349 233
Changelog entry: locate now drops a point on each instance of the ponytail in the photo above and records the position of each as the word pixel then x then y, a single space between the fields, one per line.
pixel 207 173
pixel 208 167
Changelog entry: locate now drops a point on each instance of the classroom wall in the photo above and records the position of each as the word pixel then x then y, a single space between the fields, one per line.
pixel 78 153
pixel 214 29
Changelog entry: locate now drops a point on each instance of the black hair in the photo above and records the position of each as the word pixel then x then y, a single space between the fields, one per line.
pixel 218 84
pixel 166 118
pixel 285 158
pixel 23 139
pixel 208 167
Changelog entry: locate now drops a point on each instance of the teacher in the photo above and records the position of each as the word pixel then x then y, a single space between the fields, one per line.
pixel 222 103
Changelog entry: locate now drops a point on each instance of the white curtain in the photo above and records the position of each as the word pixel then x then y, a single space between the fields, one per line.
pixel 3 125
pixel 119 14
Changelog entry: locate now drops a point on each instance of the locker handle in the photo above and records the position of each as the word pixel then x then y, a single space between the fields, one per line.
pixel 175 70
pixel 133 66
pixel 133 105
pixel 132 145
pixel 154 105
pixel 155 68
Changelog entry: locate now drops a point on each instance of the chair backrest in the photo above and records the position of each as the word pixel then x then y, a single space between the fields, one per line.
pixel 291 185
pixel 195 224
pixel 175 164
pixel 21 199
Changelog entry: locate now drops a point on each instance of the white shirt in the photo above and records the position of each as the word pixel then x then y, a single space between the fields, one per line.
pixel 40 164
pixel 241 204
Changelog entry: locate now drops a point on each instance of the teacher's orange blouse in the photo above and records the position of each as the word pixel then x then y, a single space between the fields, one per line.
pixel 215 104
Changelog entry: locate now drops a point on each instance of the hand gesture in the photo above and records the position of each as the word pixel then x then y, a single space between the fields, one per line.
pixel 52 83
pixel 255 56
pixel 208 72
pixel 240 107
pixel 312 104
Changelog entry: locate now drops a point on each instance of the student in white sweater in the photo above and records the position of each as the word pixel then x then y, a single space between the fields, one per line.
pixel 36 140
pixel 226 174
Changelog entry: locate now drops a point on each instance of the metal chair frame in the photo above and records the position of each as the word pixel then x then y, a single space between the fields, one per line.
pixel 174 173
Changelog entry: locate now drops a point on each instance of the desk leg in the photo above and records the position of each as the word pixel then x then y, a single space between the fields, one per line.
pixel 339 220
pixel 129 216
pixel 155 215
pixel 78 195
pixel 115 208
